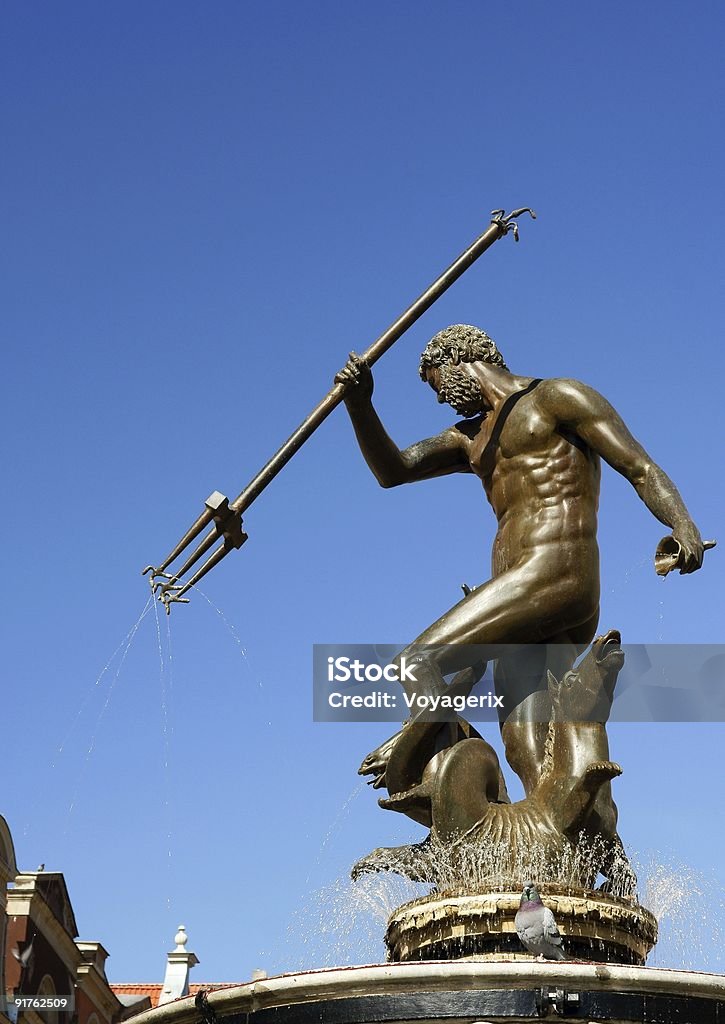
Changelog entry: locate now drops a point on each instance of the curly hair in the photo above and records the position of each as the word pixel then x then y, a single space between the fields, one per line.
pixel 460 343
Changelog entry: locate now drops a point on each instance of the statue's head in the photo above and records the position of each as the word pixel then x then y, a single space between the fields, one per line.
pixel 441 365
pixel 460 343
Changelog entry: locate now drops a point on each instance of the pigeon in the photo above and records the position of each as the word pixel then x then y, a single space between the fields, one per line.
pixel 536 927
pixel 24 957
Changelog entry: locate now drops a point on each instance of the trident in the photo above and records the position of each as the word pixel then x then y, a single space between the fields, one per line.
pixel 226 516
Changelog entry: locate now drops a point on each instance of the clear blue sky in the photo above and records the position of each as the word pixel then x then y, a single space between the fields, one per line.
pixel 206 207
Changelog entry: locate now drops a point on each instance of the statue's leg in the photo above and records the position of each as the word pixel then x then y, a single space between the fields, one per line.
pixel 533 603
pixel 521 678
pixel 525 730
pixel 527 604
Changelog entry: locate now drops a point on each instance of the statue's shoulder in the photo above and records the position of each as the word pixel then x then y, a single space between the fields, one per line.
pixel 565 392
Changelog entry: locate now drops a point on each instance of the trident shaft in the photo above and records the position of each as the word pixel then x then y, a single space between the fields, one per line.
pixel 224 517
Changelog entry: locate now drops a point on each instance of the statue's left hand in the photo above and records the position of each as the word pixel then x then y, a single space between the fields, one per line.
pixel 692 549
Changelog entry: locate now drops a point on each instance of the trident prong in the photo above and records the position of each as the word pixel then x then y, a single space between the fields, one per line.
pixel 168 598
pixel 164 588
pixel 161 583
pixel 507 222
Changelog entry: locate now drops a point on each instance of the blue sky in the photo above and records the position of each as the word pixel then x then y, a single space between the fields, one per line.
pixel 206 208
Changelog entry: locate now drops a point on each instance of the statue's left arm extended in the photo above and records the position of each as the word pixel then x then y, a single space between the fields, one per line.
pixel 597 423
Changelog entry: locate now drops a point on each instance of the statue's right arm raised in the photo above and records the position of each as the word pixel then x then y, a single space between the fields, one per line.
pixel 436 456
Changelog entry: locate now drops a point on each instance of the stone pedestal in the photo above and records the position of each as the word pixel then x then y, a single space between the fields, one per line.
pixel 457 924
pixel 465 992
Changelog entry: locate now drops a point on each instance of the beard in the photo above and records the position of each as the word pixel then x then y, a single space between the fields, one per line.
pixel 459 391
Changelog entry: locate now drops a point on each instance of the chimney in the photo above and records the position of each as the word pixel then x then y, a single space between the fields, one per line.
pixel 178 965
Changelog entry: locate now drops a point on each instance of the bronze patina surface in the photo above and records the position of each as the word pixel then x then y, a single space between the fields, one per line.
pixel 536 446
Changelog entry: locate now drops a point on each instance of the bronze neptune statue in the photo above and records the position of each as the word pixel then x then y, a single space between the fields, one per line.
pixel 536 446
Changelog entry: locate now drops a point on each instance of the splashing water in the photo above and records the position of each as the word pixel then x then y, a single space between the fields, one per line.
pixel 89 752
pixel 232 630
pixel 334 828
pixel 32 805
pixel 628 575
pixel 125 645
pixel 165 686
pixel 343 923
pixel 493 866
pixel 690 912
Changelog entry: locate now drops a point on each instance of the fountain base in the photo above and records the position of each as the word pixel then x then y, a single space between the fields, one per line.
pixel 465 992
pixel 458 924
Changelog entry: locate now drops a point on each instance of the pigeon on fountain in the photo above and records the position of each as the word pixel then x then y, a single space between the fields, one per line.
pixel 536 927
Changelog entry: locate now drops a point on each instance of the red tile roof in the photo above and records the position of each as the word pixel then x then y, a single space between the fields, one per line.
pixel 154 991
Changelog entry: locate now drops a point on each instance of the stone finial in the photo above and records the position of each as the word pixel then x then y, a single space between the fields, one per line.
pixel 178 965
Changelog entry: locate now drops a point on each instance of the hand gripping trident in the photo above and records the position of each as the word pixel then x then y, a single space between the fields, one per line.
pixel 225 517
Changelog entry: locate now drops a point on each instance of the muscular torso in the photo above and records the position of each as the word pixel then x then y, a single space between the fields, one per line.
pixel 541 480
